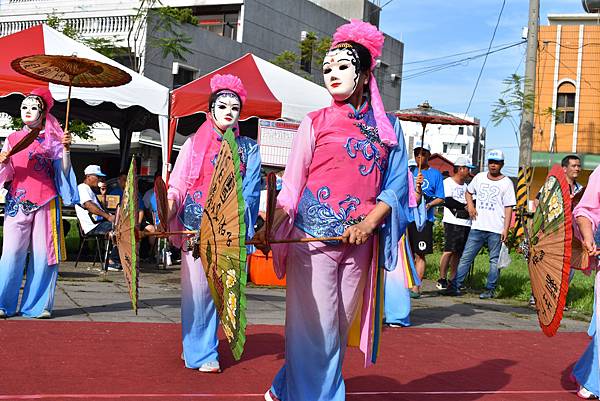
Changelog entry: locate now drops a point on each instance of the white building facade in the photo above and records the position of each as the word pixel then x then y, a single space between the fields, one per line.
pixel 451 141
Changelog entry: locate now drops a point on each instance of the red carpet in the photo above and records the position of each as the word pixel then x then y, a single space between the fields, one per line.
pixel 137 361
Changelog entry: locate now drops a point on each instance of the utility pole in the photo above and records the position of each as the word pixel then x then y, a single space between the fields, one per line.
pixel 526 127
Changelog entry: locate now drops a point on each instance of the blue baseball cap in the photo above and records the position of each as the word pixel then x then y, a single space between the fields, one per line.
pixel 496 155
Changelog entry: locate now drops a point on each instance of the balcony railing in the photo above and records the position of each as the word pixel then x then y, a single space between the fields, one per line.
pixel 115 26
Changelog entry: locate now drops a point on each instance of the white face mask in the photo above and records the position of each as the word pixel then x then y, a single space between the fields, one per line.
pixel 226 110
pixel 31 112
pixel 340 73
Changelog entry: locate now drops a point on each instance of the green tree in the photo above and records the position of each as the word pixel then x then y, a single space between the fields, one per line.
pixel 510 106
pixel 311 52
pixel 166 36
pixel 287 60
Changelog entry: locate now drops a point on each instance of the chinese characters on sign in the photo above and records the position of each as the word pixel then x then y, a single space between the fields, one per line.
pixel 275 140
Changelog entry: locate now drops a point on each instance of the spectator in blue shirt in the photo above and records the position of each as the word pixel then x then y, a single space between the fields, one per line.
pixel 429 189
pixel 121 180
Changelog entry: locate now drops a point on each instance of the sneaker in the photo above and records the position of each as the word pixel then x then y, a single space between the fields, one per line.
pixel 487 294
pixel 210 367
pixel 415 294
pixel 396 325
pixel 46 314
pixel 114 267
pixel 451 292
pixel 442 284
pixel 566 308
pixel 532 301
pixel 586 394
pixel 269 396
pixel 3 314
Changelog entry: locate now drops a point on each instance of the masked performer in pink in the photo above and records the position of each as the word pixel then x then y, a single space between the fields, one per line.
pixel 188 188
pixel 40 176
pixel 587 228
pixel 346 176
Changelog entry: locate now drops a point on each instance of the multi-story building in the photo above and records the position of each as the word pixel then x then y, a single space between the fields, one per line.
pixel 567 103
pixel 451 141
pixel 227 29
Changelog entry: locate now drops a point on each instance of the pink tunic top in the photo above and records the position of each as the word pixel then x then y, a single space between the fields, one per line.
pixel 344 177
pixel 32 176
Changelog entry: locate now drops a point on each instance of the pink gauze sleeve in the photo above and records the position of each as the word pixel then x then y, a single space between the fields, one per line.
pixel 589 205
pixel 6 169
pixel 412 200
pixel 178 177
pixel 294 181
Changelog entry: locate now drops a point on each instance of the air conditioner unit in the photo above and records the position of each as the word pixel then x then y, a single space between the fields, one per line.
pixel 394 77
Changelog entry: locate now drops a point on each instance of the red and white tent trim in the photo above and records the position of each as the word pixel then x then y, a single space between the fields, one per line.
pixel 273 93
pixel 42 39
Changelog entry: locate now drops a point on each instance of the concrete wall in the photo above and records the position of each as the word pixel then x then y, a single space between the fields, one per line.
pixel 269 28
pixel 208 52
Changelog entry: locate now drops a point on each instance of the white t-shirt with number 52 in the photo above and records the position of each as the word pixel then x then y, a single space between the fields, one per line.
pixel 492 197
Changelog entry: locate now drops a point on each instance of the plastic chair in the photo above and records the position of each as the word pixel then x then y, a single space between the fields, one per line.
pixel 92 237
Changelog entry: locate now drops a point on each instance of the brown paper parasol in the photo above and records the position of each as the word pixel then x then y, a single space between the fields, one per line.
pixel 126 234
pixel 425 114
pixel 549 255
pixel 162 207
pixel 70 71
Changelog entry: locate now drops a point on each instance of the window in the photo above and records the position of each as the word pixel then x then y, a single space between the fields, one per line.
pixel 183 76
pixel 445 148
pixel 222 20
pixel 461 130
pixel 463 149
pixel 565 103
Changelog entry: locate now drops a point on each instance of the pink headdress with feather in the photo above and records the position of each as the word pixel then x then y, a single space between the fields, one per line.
pixel 228 82
pixel 52 129
pixel 372 39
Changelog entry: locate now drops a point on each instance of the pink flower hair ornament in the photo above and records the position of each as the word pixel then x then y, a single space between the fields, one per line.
pixel 228 82
pixel 362 33
pixel 46 96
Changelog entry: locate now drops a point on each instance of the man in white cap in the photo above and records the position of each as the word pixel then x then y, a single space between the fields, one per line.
pixel 92 217
pixel 490 222
pixel 457 222
pixel 429 188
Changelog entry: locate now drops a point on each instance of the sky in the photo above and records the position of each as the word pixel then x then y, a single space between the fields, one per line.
pixel 438 28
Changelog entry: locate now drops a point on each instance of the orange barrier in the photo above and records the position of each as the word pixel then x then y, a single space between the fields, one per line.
pixel 261 270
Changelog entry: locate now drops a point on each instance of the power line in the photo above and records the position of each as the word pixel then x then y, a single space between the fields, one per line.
pixel 458 54
pixel 419 71
pixel 486 56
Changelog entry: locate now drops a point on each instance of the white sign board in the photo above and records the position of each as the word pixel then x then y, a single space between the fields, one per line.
pixel 275 140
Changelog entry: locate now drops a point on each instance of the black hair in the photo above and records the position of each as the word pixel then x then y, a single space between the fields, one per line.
pixel 213 98
pixel 567 159
pixel 124 172
pixel 360 52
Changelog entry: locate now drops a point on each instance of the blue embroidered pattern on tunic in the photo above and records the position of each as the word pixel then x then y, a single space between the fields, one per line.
pixel 213 161
pixel 319 219
pixel 13 204
pixel 191 213
pixel 368 148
